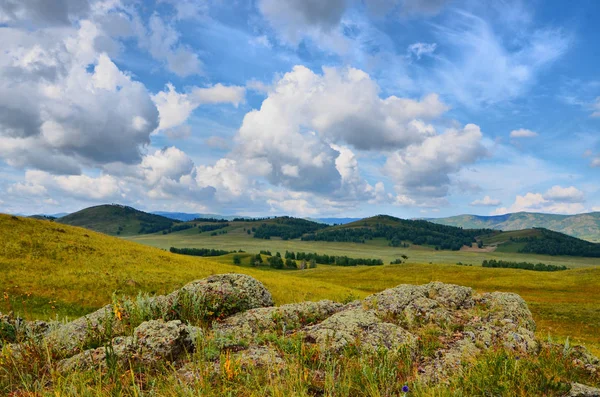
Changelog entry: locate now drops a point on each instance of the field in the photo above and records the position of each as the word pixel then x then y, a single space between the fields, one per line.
pixel 55 270
pixel 237 238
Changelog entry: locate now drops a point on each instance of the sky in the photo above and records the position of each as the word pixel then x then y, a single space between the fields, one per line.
pixel 310 108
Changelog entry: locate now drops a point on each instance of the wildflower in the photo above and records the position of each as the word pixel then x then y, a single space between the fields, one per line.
pixel 405 389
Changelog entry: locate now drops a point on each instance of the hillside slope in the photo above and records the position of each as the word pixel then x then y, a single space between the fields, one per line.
pixel 583 226
pixel 51 269
pixel 117 220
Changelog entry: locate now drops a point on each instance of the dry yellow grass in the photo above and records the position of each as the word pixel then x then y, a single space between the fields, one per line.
pixel 51 269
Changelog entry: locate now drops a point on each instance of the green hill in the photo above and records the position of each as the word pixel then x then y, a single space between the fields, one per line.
pixel 117 220
pixel 583 226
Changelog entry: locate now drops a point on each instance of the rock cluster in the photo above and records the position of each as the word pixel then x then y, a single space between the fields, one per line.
pixel 238 311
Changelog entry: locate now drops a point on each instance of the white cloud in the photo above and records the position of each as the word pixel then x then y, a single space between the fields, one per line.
pixel 419 49
pixel 79 186
pixel 57 113
pixel 479 68
pixel 557 200
pixel 161 40
pixel 305 112
pixel 595 162
pixel 423 170
pixel 565 194
pixel 523 133
pixel 487 201
pixel 175 108
pixel 219 93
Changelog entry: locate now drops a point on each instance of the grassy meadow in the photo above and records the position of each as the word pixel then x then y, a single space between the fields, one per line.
pixel 53 270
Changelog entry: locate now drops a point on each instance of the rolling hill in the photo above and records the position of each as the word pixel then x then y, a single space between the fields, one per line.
pixel 583 226
pixel 117 220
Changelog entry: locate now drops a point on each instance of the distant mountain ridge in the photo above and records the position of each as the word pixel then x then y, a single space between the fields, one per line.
pixel 583 226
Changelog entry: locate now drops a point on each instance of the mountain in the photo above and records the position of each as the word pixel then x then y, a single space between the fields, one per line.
pixel 583 226
pixel 117 220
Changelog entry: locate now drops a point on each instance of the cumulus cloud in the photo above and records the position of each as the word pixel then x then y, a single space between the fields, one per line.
pixel 487 201
pixel 523 133
pixel 83 187
pixel 57 113
pixel 424 169
pixel 556 200
pixel 565 194
pixel 288 139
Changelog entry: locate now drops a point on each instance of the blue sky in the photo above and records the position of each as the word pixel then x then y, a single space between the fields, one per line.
pixel 301 107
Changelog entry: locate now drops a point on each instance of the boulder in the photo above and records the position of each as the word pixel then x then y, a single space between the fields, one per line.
pixel 154 342
pixel 281 319
pixel 360 328
pixel 216 297
pixel 84 332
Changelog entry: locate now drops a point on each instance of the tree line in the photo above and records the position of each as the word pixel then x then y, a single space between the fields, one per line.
pixel 287 228
pixel 332 259
pixel 416 231
pixel 200 251
pixel 210 228
pixel 538 267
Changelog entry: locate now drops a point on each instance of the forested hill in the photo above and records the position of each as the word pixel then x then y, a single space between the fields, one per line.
pixel 287 228
pixel 117 220
pixel 583 226
pixel 399 232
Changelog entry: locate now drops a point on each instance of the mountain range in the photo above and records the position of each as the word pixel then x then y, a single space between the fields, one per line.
pixel 583 226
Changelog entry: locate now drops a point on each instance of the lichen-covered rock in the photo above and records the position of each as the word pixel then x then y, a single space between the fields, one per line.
pixel 358 327
pixel 273 319
pixel 579 390
pixel 508 307
pixel 216 297
pixel 153 342
pixel 259 357
pixel 412 305
pixel 451 296
pixel 92 329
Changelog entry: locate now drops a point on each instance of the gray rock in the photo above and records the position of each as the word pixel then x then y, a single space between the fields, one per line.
pixel 280 319
pixel 579 390
pixel 154 342
pixel 92 329
pixel 359 327
pixel 216 297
